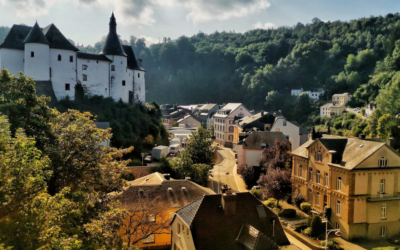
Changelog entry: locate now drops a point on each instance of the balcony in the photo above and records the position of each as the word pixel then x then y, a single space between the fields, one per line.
pixel 379 197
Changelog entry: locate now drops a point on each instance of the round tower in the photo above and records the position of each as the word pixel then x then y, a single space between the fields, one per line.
pixel 37 55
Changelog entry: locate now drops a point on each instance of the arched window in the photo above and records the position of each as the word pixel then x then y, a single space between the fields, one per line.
pixel 310 196
pixel 112 67
pixel 84 67
pixel 317 199
pixel 59 57
pixel 301 171
pixel 382 162
pixel 319 158
pixel 310 176
pixel 318 176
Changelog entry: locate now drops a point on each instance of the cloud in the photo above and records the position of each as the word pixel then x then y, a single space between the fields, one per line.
pixel 138 12
pixel 150 40
pixel 29 8
pixel 266 26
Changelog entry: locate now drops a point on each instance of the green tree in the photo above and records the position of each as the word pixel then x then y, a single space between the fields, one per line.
pixel 199 147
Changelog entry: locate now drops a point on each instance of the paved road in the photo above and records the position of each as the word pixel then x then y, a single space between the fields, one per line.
pixel 224 172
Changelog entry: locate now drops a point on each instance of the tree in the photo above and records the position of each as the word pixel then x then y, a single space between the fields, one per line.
pixel 199 146
pixel 276 183
pixel 276 156
pixel 247 173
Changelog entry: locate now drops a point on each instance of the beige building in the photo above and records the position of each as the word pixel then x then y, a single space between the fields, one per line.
pixel 189 121
pixel 358 179
pixel 332 109
pixel 341 99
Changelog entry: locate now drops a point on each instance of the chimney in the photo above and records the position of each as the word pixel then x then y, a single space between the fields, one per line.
pixel 225 188
pixel 262 112
pixel 167 176
pixel 228 202
pixel 390 142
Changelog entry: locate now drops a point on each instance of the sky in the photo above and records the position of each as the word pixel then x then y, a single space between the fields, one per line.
pixel 86 21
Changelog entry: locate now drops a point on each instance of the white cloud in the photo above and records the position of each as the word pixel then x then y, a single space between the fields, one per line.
pixel 150 40
pixel 266 26
pixel 28 8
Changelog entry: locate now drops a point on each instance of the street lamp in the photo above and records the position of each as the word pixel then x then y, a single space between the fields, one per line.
pixel 327 232
pixel 143 155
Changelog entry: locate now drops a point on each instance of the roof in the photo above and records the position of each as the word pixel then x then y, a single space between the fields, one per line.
pixel 160 147
pixel 182 192
pixel 15 37
pixel 208 106
pixel 36 35
pixel 102 125
pixel 132 61
pixel 113 45
pixel 350 152
pixel 331 105
pixel 186 117
pixel 230 107
pixel 251 238
pixel 57 39
pixel 93 57
pixel 302 130
pixel 344 94
pixel 211 229
pixel 255 139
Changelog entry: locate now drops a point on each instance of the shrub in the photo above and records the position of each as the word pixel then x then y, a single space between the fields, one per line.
pixel 289 199
pixel 276 210
pixel 331 244
pixel 298 199
pixel 175 124
pixel 307 231
pixel 271 202
pixel 337 125
pixel 136 162
pixel 288 213
pixel 305 207
pixel 316 226
pixel 327 212
pixel 348 124
pixel 256 193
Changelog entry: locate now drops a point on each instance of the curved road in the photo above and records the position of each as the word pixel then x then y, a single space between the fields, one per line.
pixel 225 173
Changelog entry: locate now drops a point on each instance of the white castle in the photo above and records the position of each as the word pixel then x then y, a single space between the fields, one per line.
pixel 57 66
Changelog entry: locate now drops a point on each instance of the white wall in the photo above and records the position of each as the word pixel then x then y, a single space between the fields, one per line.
pixel 139 86
pixel 290 130
pixel 252 157
pixel 12 60
pixel 97 76
pixel 63 72
pixel 240 110
pixel 38 66
pixel 183 240
pixel 120 74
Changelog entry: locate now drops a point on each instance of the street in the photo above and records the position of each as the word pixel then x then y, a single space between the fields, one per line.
pixel 225 173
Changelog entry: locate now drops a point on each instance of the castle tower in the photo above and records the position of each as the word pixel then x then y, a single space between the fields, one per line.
pixel 37 55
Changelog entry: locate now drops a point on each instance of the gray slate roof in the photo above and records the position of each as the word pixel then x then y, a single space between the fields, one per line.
pixel 113 45
pixel 36 35
pixel 132 61
pixel 93 57
pixel 15 38
pixel 57 39
pixel 189 211
pixel 255 139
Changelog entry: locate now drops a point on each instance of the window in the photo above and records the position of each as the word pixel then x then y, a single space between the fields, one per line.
pixel 382 186
pixel 32 54
pixel 97 61
pixel 84 67
pixel 299 189
pixel 317 199
pixel 112 67
pixel 319 157
pixel 318 176
pixel 383 211
pixel 231 129
pixel 123 83
pixel 84 77
pixel 59 57
pixel 179 228
pixel 383 231
pixel 71 59
pixel 339 184
pixel 152 218
pixel 310 175
pixel 326 179
pixel 310 196
pixel 230 137
pixel 301 171
pixel 138 75
pixel 338 207
pixel 382 162
pixel 50 72
pixel 149 239
pixel 67 86
pixel 337 226
pixel 284 122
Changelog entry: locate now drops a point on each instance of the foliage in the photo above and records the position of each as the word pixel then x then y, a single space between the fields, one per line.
pixel 328 212
pixel 256 193
pixel 332 244
pixel 307 231
pixel 316 226
pixel 276 156
pixel 248 175
pixel 305 207
pixel 277 183
pixel 288 213
pixel 271 202
pixel 175 124
pixel 199 146
pixel 276 210
pixel 298 199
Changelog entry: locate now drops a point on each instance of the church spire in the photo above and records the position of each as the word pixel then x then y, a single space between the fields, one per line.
pixel 113 45
pixel 36 36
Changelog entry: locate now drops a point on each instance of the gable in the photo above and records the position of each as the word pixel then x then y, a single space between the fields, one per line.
pixel 393 159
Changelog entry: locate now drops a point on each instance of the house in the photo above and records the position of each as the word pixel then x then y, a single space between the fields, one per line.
pixel 369 109
pixel 314 94
pixel 224 122
pixel 341 99
pixel 260 122
pixel 250 148
pixel 357 178
pixel 227 222
pixel 57 66
pixel 169 193
pixel 167 109
pixel 103 125
pixel 332 109
pixel 296 134
pixel 206 113
pixel 297 92
pixel 189 121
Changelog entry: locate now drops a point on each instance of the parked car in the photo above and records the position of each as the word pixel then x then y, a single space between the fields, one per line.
pixel 148 159
pixel 256 188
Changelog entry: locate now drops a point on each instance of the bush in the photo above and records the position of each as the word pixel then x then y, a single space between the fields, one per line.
pixel 331 244
pixel 316 226
pixel 348 124
pixel 288 213
pixel 327 212
pixel 298 199
pixel 307 231
pixel 337 125
pixel 271 203
pixel 305 207
pixel 175 124
pixel 289 199
pixel 276 210
pixel 136 162
pixel 256 193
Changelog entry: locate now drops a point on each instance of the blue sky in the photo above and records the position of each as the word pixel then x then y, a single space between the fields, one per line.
pixel 86 21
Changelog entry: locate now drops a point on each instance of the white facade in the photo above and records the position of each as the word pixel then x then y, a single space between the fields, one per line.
pixel 97 74
pixel 295 134
pixel 13 60
pixel 37 61
pixel 63 72
pixel 313 94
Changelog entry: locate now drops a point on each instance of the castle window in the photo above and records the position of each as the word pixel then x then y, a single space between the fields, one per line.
pixel 71 59
pixel 112 67
pixel 121 62
pixel 326 180
pixel 67 86
pixel 84 67
pixel 138 75
pixel 84 77
pixel 319 156
pixel 301 171
pixel 123 83
pixel 32 54
pixel 310 177
pixel 317 199
pixel 59 57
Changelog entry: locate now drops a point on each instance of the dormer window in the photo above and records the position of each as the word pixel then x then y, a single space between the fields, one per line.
pixel 59 57
pixel 112 67
pixel 382 162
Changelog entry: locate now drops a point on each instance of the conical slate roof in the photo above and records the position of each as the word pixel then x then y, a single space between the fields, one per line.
pixel 113 45
pixel 57 39
pixel 36 36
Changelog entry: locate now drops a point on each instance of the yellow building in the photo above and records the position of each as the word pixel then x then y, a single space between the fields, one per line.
pixel 341 99
pixel 332 109
pixel 358 179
